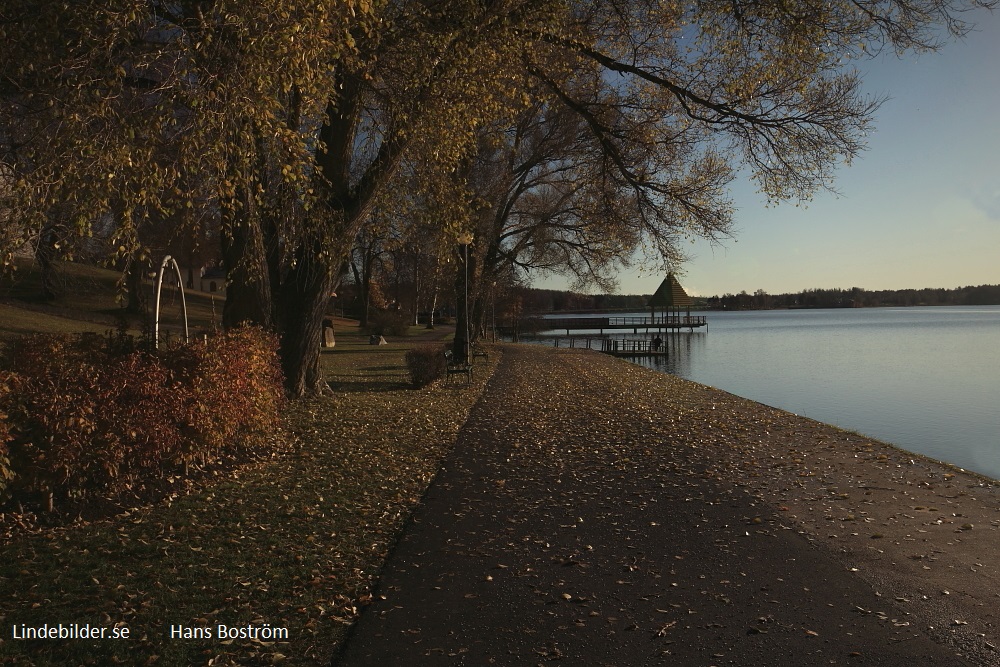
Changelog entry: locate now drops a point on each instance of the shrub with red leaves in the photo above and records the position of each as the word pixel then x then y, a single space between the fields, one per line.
pixel 89 414
pixel 236 391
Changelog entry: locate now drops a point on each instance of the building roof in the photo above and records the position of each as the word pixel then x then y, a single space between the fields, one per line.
pixel 669 294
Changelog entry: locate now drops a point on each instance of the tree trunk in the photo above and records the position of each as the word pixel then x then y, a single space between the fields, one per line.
pixel 248 289
pixel 133 285
pixel 478 314
pixel 463 280
pixel 304 298
pixel 434 305
pixel 301 294
pixel 45 253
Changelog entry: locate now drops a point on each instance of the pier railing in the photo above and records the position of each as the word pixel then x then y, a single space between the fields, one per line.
pixel 631 346
pixel 619 346
pixel 665 320
pixel 623 322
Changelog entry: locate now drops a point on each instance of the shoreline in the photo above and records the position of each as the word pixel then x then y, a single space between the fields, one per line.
pixel 850 432
pixel 923 533
pixel 921 381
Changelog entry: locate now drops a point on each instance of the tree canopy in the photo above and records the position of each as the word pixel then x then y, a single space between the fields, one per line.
pixel 283 122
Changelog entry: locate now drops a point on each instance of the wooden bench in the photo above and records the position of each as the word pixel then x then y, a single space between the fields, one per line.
pixel 453 367
pixel 480 351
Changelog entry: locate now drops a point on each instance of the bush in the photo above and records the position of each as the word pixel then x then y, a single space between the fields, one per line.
pixel 426 364
pixel 236 392
pixel 83 419
pixel 389 323
pixel 87 414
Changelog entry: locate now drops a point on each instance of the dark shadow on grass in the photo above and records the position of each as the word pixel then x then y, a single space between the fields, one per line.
pixel 363 350
pixel 371 386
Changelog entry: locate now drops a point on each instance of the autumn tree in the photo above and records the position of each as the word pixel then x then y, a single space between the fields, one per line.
pixel 372 246
pixel 548 197
pixel 394 264
pixel 659 104
pixel 148 110
pixel 537 200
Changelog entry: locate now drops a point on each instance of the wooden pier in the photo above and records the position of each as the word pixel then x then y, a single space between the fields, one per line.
pixel 602 324
pixel 618 347
pixel 632 347
pixel 664 318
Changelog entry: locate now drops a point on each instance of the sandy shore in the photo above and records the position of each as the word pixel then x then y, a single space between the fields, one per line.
pixel 586 491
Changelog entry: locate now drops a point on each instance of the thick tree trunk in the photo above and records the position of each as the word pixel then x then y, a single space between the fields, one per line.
pixel 293 301
pixel 293 307
pixel 303 300
pixel 478 314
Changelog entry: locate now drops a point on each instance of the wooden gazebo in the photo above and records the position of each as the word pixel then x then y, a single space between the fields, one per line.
pixel 669 299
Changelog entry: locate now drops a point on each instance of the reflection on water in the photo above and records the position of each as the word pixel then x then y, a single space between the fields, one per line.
pixel 926 379
pixel 681 347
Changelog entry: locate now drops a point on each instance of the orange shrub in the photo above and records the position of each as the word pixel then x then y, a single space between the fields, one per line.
pixel 88 414
pixel 236 391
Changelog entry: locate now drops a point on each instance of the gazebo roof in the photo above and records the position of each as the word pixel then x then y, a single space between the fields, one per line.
pixel 669 294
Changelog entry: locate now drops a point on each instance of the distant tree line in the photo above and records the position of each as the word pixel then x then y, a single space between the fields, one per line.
pixel 534 300
pixel 856 297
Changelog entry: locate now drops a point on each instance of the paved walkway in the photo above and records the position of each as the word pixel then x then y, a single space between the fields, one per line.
pixel 567 531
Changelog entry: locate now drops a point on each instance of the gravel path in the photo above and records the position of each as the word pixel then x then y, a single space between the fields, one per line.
pixel 595 512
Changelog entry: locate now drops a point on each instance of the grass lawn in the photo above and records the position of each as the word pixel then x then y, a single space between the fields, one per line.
pixel 87 302
pixel 18 321
pixel 291 544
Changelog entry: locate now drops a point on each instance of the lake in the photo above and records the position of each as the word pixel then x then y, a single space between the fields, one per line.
pixel 925 379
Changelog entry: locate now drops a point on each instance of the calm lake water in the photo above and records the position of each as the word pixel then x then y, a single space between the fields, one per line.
pixel 925 379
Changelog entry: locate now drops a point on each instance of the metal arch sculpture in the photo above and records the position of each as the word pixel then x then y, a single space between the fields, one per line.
pixel 159 288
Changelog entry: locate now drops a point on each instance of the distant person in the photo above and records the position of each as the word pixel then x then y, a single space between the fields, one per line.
pixel 657 342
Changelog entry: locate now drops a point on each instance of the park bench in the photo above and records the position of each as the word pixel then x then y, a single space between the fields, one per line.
pixel 453 367
pixel 480 351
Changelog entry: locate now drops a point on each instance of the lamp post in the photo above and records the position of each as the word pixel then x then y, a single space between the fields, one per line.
pixel 462 336
pixel 493 308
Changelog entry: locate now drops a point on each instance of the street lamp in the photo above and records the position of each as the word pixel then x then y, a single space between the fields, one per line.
pixel 493 308
pixel 462 330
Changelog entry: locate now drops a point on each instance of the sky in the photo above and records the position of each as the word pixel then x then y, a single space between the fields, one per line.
pixel 919 208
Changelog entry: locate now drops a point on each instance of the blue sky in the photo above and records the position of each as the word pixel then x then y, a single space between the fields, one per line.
pixel 919 208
